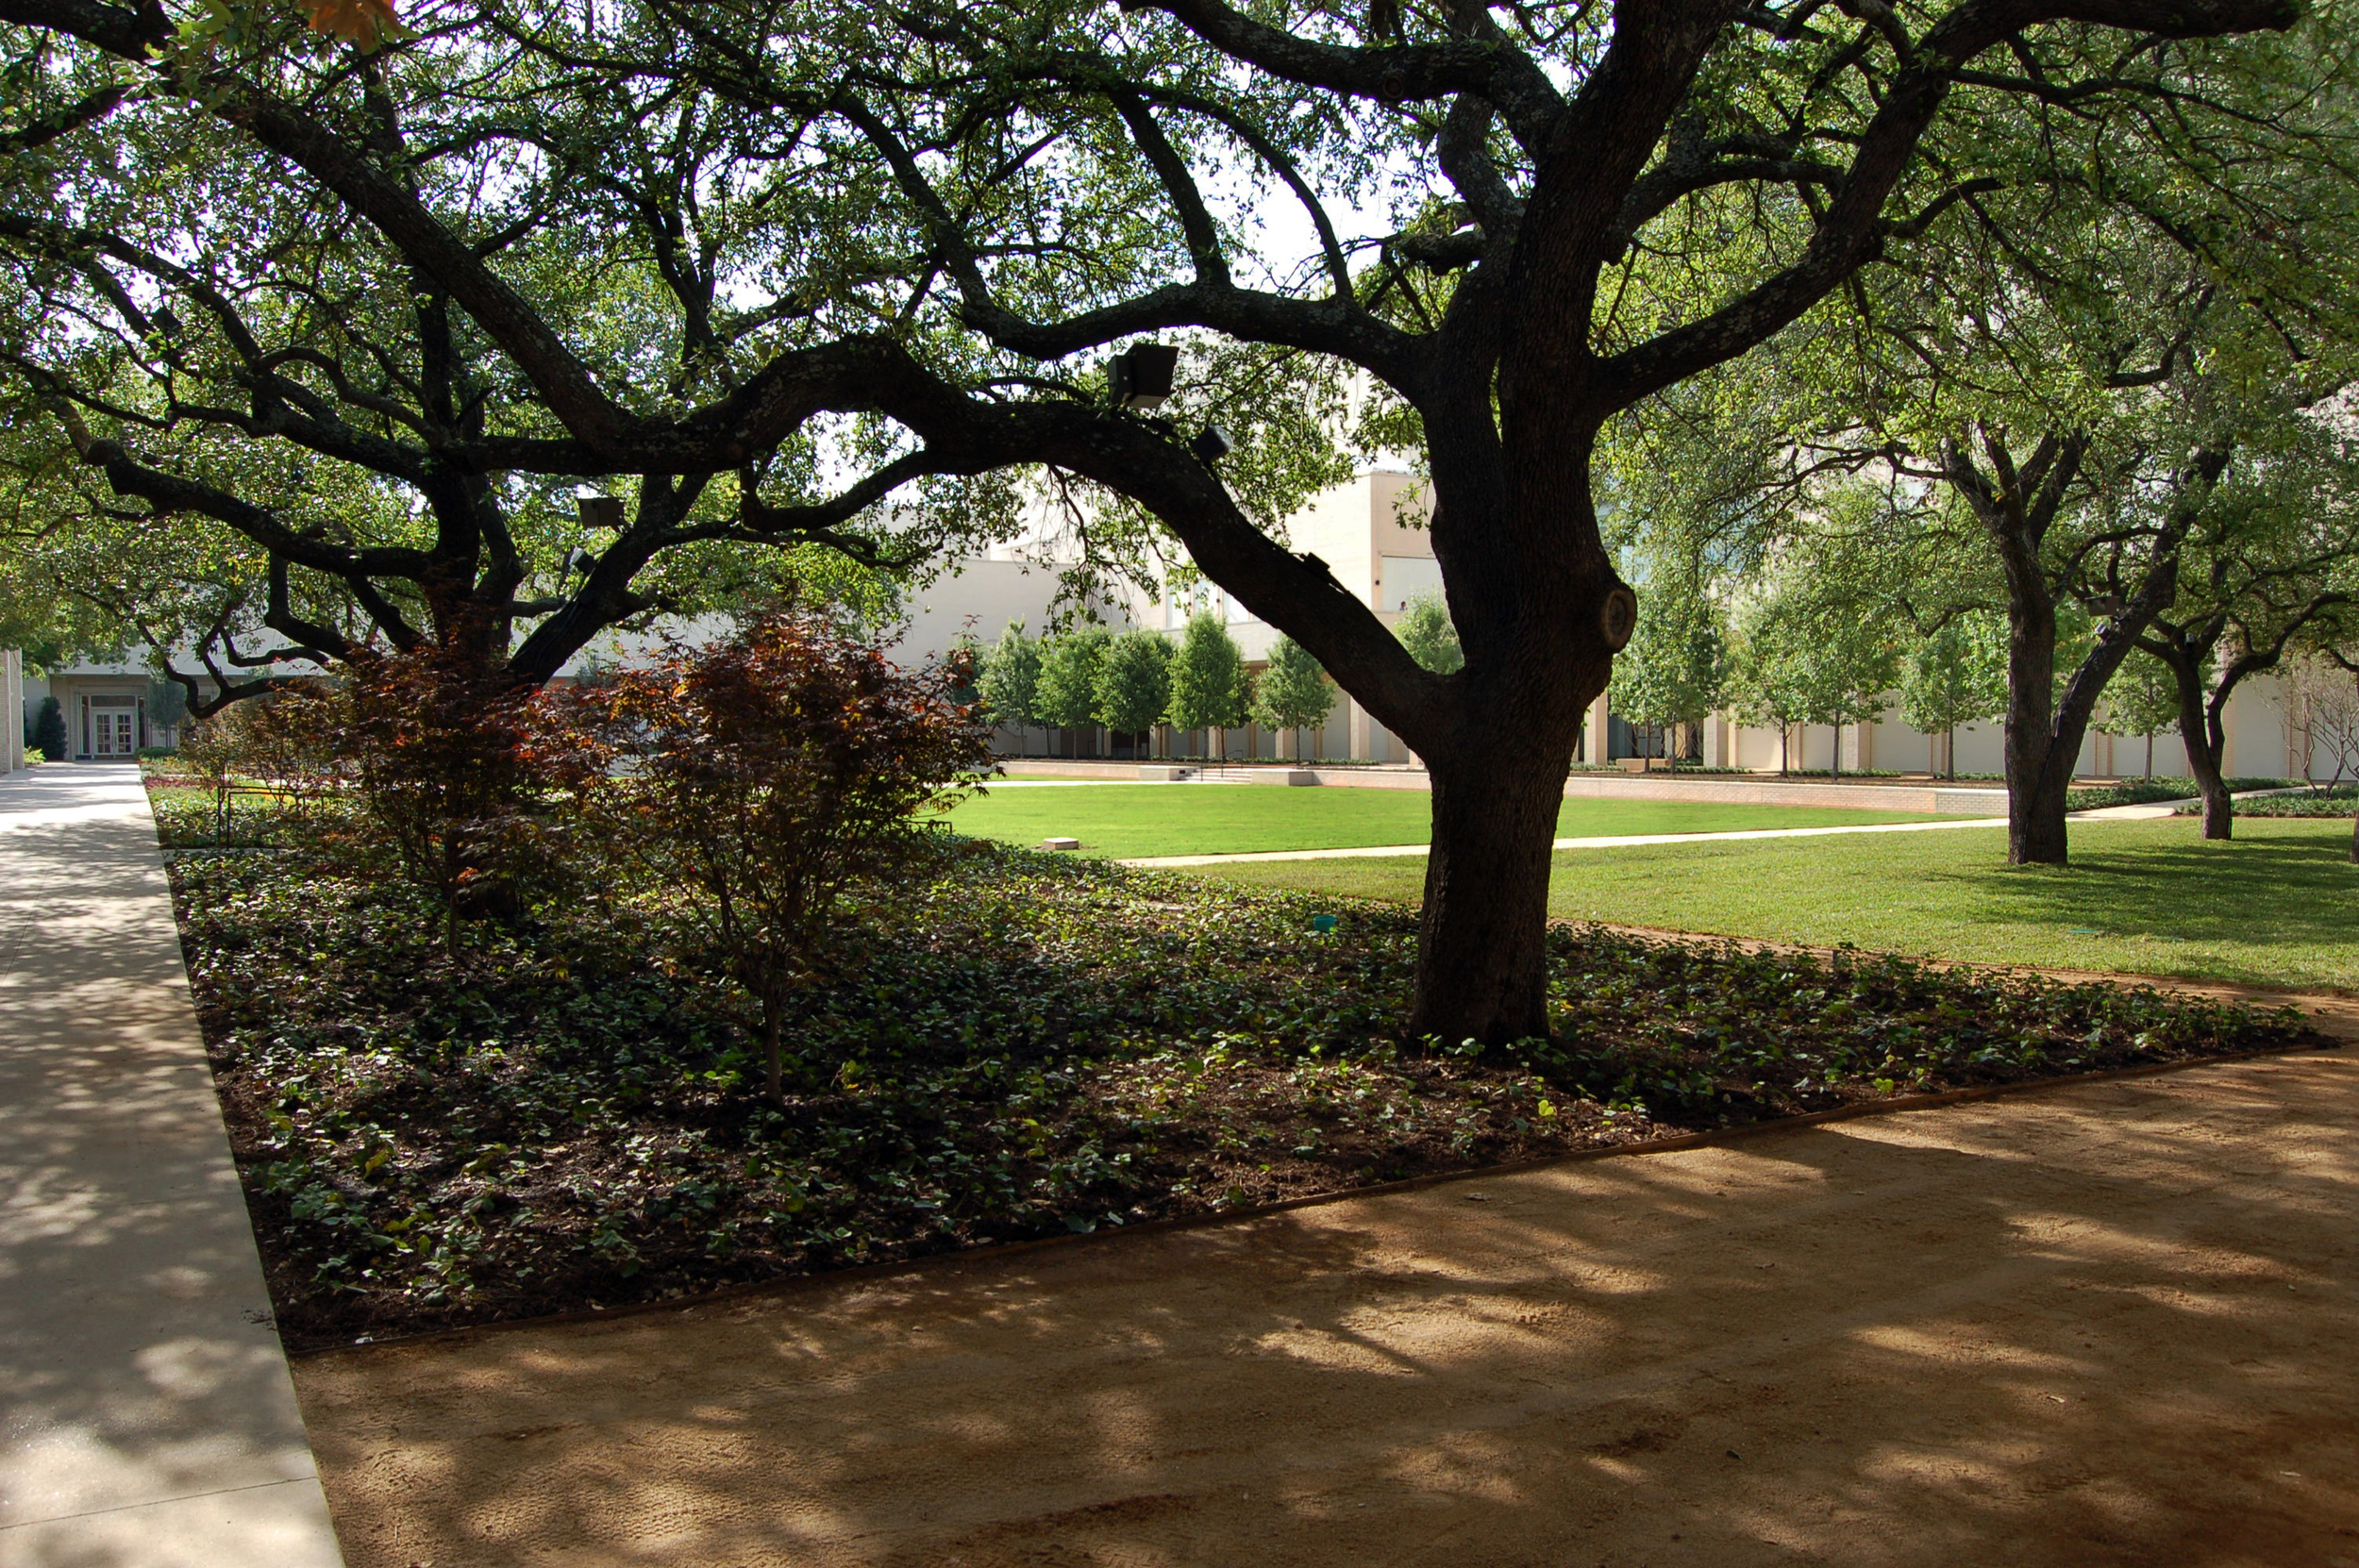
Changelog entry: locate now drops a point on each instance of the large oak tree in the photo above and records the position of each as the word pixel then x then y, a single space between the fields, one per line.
pixel 1004 192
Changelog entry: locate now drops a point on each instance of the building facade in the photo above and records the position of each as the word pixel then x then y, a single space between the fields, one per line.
pixel 112 712
pixel 1371 532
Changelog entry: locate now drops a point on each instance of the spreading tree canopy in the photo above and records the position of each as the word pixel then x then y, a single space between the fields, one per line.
pixel 762 266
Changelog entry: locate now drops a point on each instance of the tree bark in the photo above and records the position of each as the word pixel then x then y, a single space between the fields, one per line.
pixel 773 1018
pixel 1540 614
pixel 2201 734
pixel 2037 786
pixel 1481 964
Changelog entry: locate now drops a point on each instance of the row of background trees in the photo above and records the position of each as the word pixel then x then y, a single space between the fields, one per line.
pixel 1138 682
pixel 1775 655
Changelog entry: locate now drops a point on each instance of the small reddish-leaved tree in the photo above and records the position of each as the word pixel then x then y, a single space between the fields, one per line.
pixel 767 778
pixel 437 752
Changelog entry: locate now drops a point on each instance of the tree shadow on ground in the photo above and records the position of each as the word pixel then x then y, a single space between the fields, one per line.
pixel 2252 891
pixel 2097 1325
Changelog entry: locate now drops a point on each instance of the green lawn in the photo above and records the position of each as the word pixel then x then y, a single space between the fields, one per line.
pixel 2277 904
pixel 1130 820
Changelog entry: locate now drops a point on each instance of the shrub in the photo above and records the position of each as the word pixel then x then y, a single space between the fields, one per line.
pixel 439 748
pixel 762 779
pixel 48 736
pixel 273 745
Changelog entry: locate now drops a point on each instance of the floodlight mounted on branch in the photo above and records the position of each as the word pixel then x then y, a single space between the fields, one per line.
pixel 599 511
pixel 1141 376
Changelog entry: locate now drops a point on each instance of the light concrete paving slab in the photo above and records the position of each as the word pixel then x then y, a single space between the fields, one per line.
pixel 1156 862
pixel 146 1416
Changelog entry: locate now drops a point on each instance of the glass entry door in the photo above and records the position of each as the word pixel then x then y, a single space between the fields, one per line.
pixel 114 730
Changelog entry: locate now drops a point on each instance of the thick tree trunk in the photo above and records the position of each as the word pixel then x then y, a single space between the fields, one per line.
pixel 1540 614
pixel 1481 962
pixel 2037 778
pixel 2035 819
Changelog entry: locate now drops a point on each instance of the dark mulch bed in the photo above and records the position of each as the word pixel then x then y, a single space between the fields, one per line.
pixel 563 1115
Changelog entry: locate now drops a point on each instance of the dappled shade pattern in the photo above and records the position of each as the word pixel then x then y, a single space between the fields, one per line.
pixel 2103 1325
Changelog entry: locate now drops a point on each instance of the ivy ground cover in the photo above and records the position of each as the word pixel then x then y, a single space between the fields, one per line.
pixel 1023 1047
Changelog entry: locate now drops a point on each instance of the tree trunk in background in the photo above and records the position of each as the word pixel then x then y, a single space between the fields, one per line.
pixel 2036 784
pixel 773 1022
pixel 2044 730
pixel 2188 652
pixel 2203 756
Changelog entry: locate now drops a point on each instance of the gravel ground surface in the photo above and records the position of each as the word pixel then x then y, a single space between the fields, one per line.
pixel 2108 1323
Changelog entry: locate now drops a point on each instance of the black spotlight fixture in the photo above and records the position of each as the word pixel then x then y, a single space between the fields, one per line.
pixel 1141 376
pixel 1211 444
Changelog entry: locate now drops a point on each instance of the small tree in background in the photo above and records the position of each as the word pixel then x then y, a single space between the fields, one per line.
pixel 1769 681
pixel 1956 676
pixel 2142 700
pixel 440 749
pixel 1849 666
pixel 2323 680
pixel 167 703
pixel 963 664
pixel 1425 629
pixel 1010 681
pixel 1069 663
pixel 1134 683
pixel 763 779
pixel 2319 696
pixel 1293 693
pixel 1675 670
pixel 1210 687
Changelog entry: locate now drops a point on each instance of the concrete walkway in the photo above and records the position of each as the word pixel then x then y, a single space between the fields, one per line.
pixel 1623 840
pixel 146 1416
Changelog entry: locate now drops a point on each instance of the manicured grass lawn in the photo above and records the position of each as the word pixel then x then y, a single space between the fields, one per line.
pixel 1124 821
pixel 2277 904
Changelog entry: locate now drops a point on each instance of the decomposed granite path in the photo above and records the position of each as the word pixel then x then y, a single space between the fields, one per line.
pixel 146 1419
pixel 2110 1323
